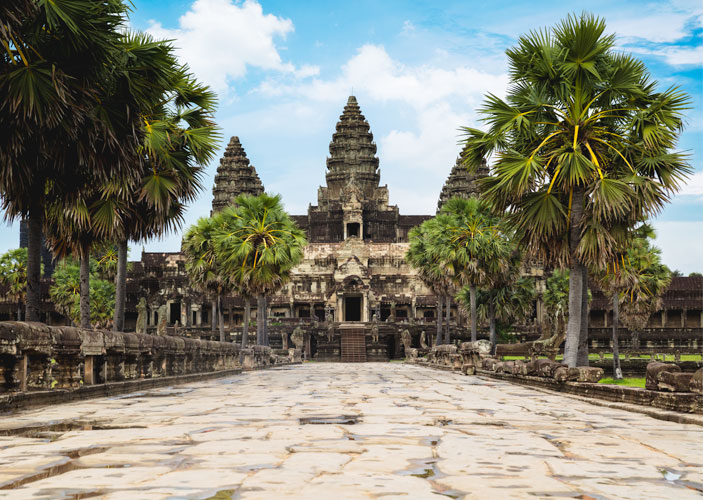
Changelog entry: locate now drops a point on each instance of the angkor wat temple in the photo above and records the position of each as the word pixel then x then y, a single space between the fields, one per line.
pixel 354 266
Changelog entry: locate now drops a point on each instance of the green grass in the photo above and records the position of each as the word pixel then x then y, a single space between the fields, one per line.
pixel 630 382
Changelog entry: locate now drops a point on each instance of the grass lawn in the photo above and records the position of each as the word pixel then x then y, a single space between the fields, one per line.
pixel 631 382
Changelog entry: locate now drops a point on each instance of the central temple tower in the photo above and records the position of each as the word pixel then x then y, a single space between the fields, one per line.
pixel 352 204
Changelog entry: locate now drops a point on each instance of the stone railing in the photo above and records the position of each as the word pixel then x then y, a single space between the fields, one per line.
pixel 34 356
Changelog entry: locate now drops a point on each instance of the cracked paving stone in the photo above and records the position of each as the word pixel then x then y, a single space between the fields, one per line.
pixel 346 431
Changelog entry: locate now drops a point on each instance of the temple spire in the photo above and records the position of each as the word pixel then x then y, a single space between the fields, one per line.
pixel 352 151
pixel 461 183
pixel 234 176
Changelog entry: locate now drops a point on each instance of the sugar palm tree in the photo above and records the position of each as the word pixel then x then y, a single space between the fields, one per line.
pixel 13 276
pixel 424 258
pixel 58 62
pixel 582 149
pixel 259 249
pixel 474 245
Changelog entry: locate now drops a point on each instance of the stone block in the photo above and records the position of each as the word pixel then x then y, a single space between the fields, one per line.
pixel 490 364
pixel 654 370
pixel 696 384
pixel 561 374
pixel 675 381
pixel 468 369
pixel 589 374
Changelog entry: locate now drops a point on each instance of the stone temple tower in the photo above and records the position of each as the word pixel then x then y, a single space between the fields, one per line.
pixel 234 176
pixel 461 183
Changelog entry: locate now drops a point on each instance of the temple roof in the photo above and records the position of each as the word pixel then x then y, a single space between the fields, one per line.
pixel 352 153
pixel 235 176
pixel 461 183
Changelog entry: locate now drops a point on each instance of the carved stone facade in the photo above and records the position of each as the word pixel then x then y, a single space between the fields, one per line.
pixel 234 176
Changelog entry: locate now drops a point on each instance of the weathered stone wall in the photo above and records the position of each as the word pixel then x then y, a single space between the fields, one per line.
pixel 34 356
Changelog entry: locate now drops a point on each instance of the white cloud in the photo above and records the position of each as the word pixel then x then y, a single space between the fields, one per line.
pixel 694 185
pixel 675 56
pixel 219 39
pixel 678 241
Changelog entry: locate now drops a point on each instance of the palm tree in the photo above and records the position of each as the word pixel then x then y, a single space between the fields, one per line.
pixel 258 247
pixel 643 296
pixel 13 276
pixel 583 149
pixel 204 264
pixel 423 257
pixel 474 245
pixel 57 64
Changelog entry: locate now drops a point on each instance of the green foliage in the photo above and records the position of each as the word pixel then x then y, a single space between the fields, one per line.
pixel 694 275
pixel 583 132
pixel 65 293
pixel 13 274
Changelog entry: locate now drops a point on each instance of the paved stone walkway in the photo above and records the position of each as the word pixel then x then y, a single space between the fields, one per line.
pixel 337 431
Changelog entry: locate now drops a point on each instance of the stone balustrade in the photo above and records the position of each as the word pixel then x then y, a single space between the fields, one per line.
pixel 34 356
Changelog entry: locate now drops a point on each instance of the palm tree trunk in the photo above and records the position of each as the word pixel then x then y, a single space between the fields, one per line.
pixel 573 328
pixel 120 286
pixel 440 301
pixel 85 287
pixel 583 337
pixel 213 316
pixel 245 327
pixel 221 317
pixel 474 322
pixel 492 323
pixel 447 332
pixel 260 306
pixel 617 371
pixel 34 244
pixel 266 323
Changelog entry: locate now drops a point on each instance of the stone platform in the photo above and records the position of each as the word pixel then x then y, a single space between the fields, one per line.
pixel 346 431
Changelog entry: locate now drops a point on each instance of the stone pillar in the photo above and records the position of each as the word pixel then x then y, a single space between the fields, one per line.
pixel 189 315
pixel 663 318
pixel 413 309
pixel 291 309
pixel 89 370
pixel 683 318
pixel 365 308
pixel 340 309
pixel 24 372
pixel 605 319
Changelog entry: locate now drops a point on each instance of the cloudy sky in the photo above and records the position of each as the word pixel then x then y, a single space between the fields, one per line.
pixel 284 69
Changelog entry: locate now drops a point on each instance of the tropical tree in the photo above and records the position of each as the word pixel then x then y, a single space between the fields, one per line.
pixel 13 276
pixel 204 264
pixel 475 247
pixel 258 248
pixel 57 64
pixel 65 292
pixel 643 295
pixel 582 148
pixel 423 257
pixel 556 302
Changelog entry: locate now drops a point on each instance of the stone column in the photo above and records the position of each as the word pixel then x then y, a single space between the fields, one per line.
pixel 365 307
pixel 663 318
pixel 683 318
pixel 340 309
pixel 89 370
pixel 24 372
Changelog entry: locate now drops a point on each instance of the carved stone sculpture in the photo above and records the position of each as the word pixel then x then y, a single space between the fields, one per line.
pixel 298 336
pixel 330 332
pixel 406 339
pixel 423 340
pixel 161 327
pixel 141 316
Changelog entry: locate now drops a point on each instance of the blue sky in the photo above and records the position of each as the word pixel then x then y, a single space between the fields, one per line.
pixel 284 69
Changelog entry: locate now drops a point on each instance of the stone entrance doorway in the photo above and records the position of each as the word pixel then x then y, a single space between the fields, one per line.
pixel 352 308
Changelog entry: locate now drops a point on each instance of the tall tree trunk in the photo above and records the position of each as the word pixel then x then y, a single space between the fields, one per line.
pixel 583 337
pixel 34 245
pixel 221 317
pixel 260 307
pixel 213 315
pixel 447 332
pixel 245 326
pixel 120 286
pixel 492 325
pixel 85 287
pixel 438 337
pixel 617 371
pixel 573 328
pixel 474 321
pixel 266 323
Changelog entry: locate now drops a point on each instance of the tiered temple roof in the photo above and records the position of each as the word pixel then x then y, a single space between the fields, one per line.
pixel 461 183
pixel 235 176
pixel 352 155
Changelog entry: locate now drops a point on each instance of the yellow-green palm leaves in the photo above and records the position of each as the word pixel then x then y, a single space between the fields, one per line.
pixel 583 148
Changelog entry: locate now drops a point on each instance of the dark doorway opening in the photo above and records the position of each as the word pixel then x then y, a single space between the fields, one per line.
pixel 175 313
pixel 353 229
pixel 352 309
